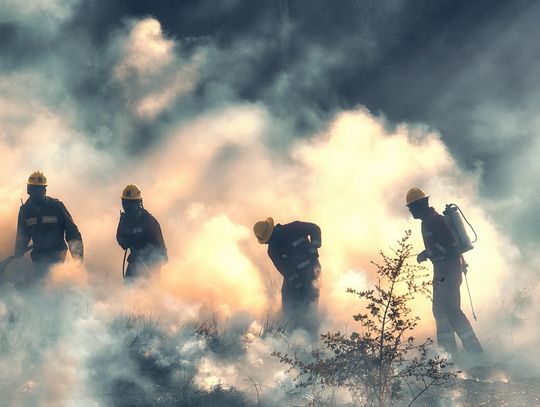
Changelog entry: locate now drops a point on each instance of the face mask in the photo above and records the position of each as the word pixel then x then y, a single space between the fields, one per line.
pixel 417 209
pixel 131 206
pixel 414 212
pixel 37 194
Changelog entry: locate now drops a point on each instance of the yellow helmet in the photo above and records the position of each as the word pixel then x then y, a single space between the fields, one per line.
pixel 132 192
pixel 37 178
pixel 415 194
pixel 263 230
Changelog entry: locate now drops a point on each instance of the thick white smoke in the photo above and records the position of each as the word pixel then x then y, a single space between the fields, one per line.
pixel 207 179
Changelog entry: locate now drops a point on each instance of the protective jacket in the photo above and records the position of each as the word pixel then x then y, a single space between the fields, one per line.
pixel 293 250
pixel 141 233
pixel 49 225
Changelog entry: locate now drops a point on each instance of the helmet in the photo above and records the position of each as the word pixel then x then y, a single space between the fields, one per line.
pixel 37 178
pixel 415 194
pixel 132 192
pixel 263 230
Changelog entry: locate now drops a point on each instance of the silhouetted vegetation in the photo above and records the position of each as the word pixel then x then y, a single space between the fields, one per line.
pixel 381 362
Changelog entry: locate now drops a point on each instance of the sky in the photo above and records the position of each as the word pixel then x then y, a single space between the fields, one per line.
pixel 464 70
pixel 228 112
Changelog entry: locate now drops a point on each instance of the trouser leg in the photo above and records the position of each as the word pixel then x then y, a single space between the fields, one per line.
pixel 451 303
pixel 300 299
pixel 41 271
pixel 300 313
pixel 300 310
pixel 445 336
pixel 310 310
pixel 137 269
pixel 43 264
pixel 445 333
pixel 130 272
pixel 312 293
pixel 133 272
pixel 290 307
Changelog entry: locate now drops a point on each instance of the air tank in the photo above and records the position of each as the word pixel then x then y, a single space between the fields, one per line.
pixel 454 220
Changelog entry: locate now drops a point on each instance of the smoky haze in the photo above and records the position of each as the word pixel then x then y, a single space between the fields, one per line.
pixel 226 114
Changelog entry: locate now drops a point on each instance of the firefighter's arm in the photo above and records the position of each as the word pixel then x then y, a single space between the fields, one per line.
pixel 155 237
pixel 6 262
pixel 311 230
pixel 23 236
pixel 120 237
pixel 314 233
pixel 279 259
pixel 73 236
pixel 422 256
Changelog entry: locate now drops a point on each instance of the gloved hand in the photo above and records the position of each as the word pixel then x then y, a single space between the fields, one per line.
pixel 76 249
pixel 422 256
pixel 124 241
pixel 6 262
pixel 314 247
pixel 124 244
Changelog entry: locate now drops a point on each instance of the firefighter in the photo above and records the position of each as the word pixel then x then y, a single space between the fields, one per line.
pixel 293 248
pixel 447 276
pixel 140 232
pixel 46 222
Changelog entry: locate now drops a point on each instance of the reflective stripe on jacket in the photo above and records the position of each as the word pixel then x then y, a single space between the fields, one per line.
pixel 48 225
pixel 142 234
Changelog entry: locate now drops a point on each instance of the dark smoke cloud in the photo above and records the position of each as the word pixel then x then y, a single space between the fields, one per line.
pixel 460 67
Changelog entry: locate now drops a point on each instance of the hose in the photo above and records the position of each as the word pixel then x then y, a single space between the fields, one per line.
pixel 465 266
pixel 124 264
pixel 468 223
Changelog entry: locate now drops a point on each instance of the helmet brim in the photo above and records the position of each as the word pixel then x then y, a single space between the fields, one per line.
pixel 417 200
pixel 268 232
